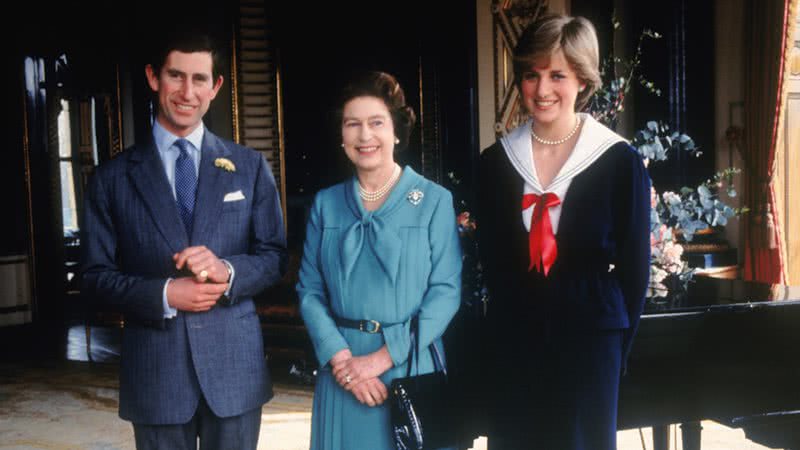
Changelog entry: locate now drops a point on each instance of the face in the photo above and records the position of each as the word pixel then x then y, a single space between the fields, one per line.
pixel 368 134
pixel 549 90
pixel 185 88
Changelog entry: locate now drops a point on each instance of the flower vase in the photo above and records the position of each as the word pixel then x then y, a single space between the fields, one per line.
pixel 709 251
pixel 670 295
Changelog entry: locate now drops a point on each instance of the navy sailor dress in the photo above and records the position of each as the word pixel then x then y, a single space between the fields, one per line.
pixel 557 342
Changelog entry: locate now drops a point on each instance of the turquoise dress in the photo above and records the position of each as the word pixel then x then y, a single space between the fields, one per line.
pixel 386 265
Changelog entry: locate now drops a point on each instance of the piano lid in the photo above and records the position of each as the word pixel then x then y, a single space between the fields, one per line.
pixel 706 294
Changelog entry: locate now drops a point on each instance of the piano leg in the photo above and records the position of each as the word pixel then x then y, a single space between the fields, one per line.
pixel 690 435
pixel 661 437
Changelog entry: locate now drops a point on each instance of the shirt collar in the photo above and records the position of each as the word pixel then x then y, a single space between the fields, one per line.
pixel 593 141
pixel 164 139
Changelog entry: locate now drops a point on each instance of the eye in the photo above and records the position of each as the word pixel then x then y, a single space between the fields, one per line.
pixel 351 124
pixel 375 123
pixel 173 74
pixel 559 76
pixel 529 75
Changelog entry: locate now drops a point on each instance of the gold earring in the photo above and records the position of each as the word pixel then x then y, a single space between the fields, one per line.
pixel 396 140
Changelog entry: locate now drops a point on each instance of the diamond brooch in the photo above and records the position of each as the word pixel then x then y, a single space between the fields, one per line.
pixel 415 197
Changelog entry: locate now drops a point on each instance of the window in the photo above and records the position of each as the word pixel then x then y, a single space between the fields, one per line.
pixel 787 179
pixel 69 212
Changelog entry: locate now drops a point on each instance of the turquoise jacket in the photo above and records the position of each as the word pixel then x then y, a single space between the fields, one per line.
pixel 385 265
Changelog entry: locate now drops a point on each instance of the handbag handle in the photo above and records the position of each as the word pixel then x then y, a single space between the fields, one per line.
pixel 413 351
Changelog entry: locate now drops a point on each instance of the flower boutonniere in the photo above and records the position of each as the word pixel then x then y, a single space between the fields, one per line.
pixel 225 163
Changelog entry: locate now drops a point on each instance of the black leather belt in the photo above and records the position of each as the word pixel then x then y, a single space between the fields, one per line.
pixel 367 326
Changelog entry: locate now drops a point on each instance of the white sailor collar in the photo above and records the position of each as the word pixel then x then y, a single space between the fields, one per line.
pixel 594 139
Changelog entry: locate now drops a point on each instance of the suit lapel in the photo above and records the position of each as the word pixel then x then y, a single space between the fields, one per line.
pixel 150 180
pixel 213 183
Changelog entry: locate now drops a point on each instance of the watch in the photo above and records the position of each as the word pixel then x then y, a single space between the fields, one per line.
pixel 224 298
pixel 230 272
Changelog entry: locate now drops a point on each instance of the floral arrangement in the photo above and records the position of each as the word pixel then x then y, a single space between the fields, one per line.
pixel 474 294
pixel 676 216
pixel 693 210
pixel 666 265
pixel 609 100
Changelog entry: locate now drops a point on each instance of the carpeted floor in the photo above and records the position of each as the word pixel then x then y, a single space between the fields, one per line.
pixel 72 404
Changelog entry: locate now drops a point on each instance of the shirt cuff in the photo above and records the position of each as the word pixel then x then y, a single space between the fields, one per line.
pixel 230 280
pixel 169 312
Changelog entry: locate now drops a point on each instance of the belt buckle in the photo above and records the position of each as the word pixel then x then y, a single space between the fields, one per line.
pixel 376 326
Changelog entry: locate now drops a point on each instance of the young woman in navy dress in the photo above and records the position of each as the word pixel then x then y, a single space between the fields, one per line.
pixel 563 225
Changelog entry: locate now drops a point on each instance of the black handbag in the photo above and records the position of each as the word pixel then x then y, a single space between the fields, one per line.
pixel 421 414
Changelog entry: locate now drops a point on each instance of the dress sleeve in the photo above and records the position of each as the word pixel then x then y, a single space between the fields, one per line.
pixel 442 297
pixel 633 243
pixel 313 293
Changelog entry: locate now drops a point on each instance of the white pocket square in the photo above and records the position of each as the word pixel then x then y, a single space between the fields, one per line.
pixel 233 196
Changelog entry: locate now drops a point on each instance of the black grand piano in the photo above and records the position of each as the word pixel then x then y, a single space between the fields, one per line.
pixel 725 350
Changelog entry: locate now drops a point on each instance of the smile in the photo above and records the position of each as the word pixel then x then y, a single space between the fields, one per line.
pixel 545 103
pixel 181 107
pixel 367 149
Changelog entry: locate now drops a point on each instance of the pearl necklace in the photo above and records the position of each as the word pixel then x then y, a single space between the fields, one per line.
pixel 377 195
pixel 559 141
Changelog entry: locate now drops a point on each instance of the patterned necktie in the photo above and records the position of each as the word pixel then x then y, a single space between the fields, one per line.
pixel 185 184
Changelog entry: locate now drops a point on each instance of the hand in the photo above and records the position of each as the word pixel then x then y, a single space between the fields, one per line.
pixel 352 371
pixel 340 356
pixel 338 359
pixel 370 392
pixel 203 263
pixel 189 294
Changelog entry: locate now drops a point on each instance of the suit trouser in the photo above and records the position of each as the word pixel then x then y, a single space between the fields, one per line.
pixel 215 433
pixel 567 397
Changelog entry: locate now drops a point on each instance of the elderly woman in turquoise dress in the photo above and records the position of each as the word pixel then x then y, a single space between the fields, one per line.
pixel 381 248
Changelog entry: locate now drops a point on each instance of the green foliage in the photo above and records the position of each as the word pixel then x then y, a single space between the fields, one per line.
pixel 618 76
pixel 690 209
pixel 655 141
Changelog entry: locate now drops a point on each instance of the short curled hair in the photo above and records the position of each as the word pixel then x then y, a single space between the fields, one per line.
pixel 185 40
pixel 575 37
pixel 385 87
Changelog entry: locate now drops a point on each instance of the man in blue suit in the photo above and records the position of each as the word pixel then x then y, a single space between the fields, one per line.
pixel 179 233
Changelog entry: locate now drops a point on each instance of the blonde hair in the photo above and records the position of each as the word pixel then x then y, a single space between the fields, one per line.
pixel 575 37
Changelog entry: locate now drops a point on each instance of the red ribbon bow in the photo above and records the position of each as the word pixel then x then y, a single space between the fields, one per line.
pixel 541 240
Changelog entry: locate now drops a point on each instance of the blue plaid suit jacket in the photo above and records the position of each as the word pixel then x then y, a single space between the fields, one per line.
pixel 132 228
